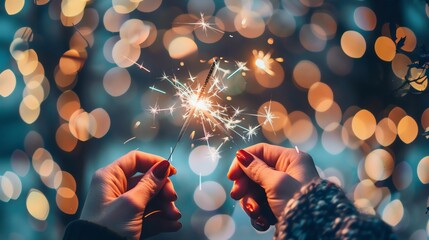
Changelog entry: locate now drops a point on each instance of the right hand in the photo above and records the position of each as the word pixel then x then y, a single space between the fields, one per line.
pixel 265 178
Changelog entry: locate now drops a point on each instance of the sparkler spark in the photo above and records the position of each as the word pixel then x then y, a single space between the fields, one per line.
pixel 204 25
pixel 140 66
pixel 241 67
pixel 263 61
pixel 202 103
pixel 157 90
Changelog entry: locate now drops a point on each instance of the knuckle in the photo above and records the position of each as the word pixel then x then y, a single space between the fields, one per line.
pixel 262 145
pixel 149 186
pixel 133 154
pixel 99 175
pixel 257 171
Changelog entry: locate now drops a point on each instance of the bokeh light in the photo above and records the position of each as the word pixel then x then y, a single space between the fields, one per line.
pixel 209 195
pixel 83 82
pixel 7 82
pixel 219 226
pixel 422 170
pixel 37 205
pixel 385 48
pixel 393 212
pixel 379 164
pixel 202 161
pixel 365 18
pixel 364 124
pixel 407 129
pixel 353 44
pixel 305 73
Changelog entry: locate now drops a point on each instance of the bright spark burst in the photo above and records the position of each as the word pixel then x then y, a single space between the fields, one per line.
pixel 202 104
pixel 204 25
pixel 263 61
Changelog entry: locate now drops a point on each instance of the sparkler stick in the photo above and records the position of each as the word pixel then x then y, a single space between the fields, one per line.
pixel 188 119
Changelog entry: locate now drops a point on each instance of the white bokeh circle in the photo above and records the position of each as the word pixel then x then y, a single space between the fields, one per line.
pixel 209 196
pixel 203 160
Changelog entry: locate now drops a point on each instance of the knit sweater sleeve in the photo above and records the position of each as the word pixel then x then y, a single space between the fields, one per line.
pixel 83 230
pixel 322 211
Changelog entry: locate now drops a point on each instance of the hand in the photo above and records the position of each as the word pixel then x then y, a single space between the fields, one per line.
pixel 265 177
pixel 119 200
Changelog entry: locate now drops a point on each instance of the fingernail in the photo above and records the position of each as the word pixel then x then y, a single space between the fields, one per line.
pixel 249 208
pixel 173 170
pixel 160 171
pixel 261 221
pixel 244 157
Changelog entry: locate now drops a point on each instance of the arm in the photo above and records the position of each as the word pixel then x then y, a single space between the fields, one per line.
pixel 323 207
pixel 300 204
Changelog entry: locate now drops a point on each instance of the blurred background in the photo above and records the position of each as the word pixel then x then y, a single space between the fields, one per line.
pixel 81 83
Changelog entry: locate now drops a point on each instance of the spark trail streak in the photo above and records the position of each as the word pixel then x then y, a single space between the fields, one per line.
pixel 187 121
pixel 156 89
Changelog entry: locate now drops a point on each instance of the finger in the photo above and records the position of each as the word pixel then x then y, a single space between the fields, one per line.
pixel 167 192
pixel 165 209
pixel 156 224
pixel 260 224
pixel 235 171
pixel 132 182
pixel 257 170
pixel 250 207
pixel 136 161
pixel 271 154
pixel 151 183
pixel 171 211
pixel 240 187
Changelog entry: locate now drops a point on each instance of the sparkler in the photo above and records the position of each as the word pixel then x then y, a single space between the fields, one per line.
pixel 202 102
pixel 197 104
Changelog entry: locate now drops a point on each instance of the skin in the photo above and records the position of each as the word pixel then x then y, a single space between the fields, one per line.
pixel 122 200
pixel 269 181
pixel 127 198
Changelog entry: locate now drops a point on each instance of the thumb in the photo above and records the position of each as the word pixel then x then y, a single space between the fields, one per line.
pixel 150 184
pixel 256 169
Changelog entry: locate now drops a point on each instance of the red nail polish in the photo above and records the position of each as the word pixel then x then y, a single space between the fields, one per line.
pixel 249 208
pixel 244 157
pixel 160 171
pixel 173 170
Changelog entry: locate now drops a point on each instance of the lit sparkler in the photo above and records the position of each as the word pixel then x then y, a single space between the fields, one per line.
pixel 203 104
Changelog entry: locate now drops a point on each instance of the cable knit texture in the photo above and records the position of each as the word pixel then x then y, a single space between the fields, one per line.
pixel 322 211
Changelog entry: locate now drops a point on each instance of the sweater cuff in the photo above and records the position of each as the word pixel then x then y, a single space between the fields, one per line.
pixel 83 230
pixel 312 212
pixel 321 210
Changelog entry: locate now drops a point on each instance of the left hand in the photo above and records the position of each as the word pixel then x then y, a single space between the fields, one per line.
pixel 119 200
